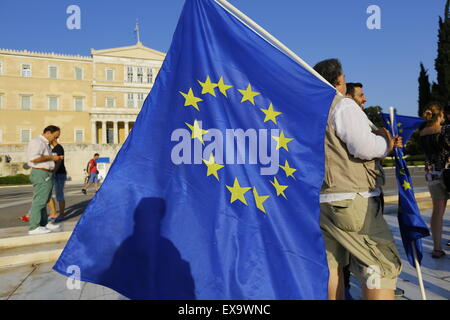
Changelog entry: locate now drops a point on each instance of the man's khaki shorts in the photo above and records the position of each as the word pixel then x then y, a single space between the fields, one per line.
pixel 355 232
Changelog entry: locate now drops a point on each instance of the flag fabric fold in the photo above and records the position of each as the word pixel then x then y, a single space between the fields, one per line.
pixel 215 193
pixel 411 224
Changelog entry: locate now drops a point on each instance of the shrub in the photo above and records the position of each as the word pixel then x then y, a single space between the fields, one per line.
pixel 15 180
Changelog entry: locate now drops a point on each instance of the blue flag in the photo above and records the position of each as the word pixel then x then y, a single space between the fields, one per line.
pixel 405 125
pixel 215 193
pixel 412 226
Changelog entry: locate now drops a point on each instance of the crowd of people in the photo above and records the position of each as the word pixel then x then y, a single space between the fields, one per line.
pixel 356 235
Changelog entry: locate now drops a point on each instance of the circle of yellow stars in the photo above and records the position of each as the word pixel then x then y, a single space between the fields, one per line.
pixel 238 192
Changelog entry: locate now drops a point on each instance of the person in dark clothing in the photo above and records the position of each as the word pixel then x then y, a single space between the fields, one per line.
pixel 59 180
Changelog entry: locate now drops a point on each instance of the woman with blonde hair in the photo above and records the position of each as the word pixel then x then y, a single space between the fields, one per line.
pixel 435 141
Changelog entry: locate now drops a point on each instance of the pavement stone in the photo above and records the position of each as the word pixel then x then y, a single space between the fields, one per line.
pixel 41 282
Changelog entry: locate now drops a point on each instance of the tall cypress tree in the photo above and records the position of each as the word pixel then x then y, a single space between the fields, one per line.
pixel 424 90
pixel 441 92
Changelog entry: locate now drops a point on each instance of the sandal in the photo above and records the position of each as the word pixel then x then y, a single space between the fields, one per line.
pixel 436 254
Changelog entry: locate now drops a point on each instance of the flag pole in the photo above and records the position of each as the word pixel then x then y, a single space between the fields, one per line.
pixel 419 272
pixel 416 261
pixel 228 6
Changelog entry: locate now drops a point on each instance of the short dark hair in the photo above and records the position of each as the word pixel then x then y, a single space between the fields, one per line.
pixel 95 155
pixel 351 87
pixel 330 69
pixel 52 129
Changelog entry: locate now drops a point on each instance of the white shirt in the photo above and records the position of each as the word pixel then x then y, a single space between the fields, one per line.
pixel 37 148
pixel 353 128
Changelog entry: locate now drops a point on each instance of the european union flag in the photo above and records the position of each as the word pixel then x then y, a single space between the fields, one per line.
pixel 215 193
pixel 405 125
pixel 412 226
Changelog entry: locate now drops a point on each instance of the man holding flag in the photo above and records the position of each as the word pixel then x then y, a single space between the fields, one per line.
pixel 353 226
pixel 217 187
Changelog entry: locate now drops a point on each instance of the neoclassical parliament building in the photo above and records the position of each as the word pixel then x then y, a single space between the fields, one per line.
pixel 93 99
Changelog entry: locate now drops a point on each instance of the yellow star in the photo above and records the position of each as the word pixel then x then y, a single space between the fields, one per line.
pixel 260 200
pixel 212 167
pixel 249 95
pixel 238 192
pixel 278 187
pixel 406 185
pixel 191 100
pixel 271 114
pixel 282 141
pixel 197 131
pixel 402 172
pixel 399 125
pixel 288 170
pixel 208 87
pixel 223 87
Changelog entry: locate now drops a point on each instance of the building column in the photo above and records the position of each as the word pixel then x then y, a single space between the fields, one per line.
pixel 94 132
pixel 104 132
pixel 115 133
pixel 126 129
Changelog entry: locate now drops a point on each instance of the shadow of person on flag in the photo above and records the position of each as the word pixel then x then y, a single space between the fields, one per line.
pixel 148 255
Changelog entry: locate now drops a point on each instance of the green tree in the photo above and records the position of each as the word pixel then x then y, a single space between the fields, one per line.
pixel 424 90
pixel 441 91
pixel 374 115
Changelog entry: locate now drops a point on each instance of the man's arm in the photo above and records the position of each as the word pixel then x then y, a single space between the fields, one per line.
pixel 47 158
pixel 352 127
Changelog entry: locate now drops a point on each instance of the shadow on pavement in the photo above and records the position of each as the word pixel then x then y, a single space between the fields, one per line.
pixel 75 210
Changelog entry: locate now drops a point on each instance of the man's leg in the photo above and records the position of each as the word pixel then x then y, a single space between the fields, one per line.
pixel 42 187
pixel 337 256
pixel 377 294
pixel 336 284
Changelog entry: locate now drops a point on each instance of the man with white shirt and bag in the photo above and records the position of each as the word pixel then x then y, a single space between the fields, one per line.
pixel 42 162
pixel 352 223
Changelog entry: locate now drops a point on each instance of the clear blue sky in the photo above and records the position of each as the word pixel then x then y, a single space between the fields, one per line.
pixel 386 61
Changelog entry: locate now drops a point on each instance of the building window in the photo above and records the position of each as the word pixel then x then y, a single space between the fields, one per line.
pixel 130 74
pixel 79 104
pixel 78 73
pixel 1 68
pixel 140 75
pixel 79 135
pixel 53 72
pixel 149 75
pixel 110 102
pixel 109 75
pixel 140 99
pixel 1 135
pixel 25 135
pixel 52 103
pixel 26 70
pixel 130 100
pixel 26 102
pixel 1 100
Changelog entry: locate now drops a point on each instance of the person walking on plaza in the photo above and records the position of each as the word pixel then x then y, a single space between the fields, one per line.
pixel 352 224
pixel 42 162
pixel 435 142
pixel 59 181
pixel 93 174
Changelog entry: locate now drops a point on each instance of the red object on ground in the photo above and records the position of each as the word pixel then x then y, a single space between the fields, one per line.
pixel 25 218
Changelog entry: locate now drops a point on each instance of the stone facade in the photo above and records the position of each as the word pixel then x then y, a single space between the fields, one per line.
pixel 93 99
